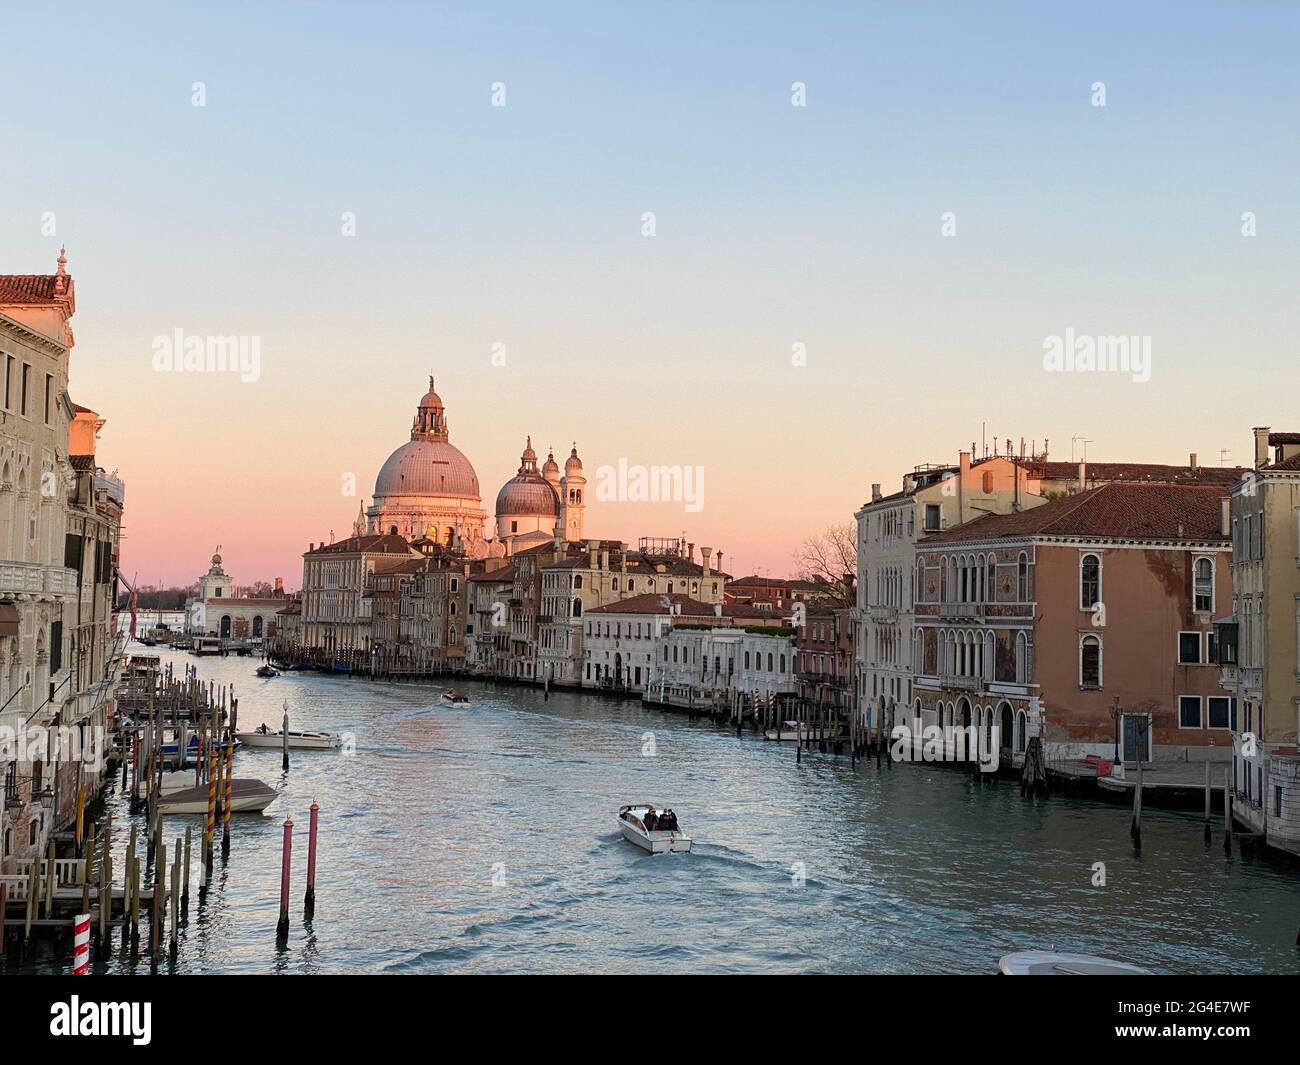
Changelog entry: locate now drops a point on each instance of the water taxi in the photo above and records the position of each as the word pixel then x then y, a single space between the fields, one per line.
pixel 632 821
pixel 1052 963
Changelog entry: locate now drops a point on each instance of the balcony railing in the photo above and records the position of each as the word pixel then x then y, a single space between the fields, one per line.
pixel 31 578
pixel 957 682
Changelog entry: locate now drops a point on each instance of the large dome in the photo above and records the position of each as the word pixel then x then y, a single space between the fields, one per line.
pixel 427 468
pixel 527 494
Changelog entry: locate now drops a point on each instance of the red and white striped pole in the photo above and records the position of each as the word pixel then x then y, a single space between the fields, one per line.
pixel 282 928
pixel 81 945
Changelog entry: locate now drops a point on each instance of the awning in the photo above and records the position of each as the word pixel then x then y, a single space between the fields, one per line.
pixel 8 619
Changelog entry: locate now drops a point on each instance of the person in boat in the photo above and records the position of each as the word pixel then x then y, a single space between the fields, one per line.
pixel 650 820
pixel 668 821
pixel 263 729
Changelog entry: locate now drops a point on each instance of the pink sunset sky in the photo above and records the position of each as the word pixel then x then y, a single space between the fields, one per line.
pixel 775 226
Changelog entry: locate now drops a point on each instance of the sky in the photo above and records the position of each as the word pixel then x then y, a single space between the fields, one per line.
pixel 832 294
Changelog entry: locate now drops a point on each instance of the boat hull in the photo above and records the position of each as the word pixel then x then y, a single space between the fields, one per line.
pixel 246 797
pixel 298 741
pixel 655 842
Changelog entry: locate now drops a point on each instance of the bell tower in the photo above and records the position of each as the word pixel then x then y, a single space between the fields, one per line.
pixel 573 490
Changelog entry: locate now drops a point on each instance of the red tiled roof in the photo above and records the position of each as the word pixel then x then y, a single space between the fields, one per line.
pixel 650 603
pixel 1120 511
pixel 502 573
pixel 1130 472
pixel 1284 438
pixel 1293 463
pixel 27 288
pixel 371 543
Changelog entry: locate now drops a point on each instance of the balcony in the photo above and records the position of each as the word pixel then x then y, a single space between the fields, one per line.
pixel 972 611
pixel 883 615
pixel 957 683
pixel 31 578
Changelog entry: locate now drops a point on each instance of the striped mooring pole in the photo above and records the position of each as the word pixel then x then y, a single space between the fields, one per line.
pixel 81 945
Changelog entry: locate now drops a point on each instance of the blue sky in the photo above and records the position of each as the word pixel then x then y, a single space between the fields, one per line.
pixel 775 225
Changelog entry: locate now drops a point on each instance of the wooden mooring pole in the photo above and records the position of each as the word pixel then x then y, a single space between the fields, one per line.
pixel 282 928
pixel 309 900
pixel 1227 810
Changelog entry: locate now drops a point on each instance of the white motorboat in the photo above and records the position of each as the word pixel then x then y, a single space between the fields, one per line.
pixel 180 795
pixel 793 731
pixel 1052 963
pixel 456 699
pixel 631 822
pixel 298 741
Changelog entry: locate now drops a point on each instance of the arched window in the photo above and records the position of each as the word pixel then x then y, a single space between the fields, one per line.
pixel 990 589
pixel 783 663
pixel 1203 591
pixel 746 659
pixel 1089 582
pixel 1022 577
pixel 1090 662
pixel 577 608
pixel 257 625
pixel 769 661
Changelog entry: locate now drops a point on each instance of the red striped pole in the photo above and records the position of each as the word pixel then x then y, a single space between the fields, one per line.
pixel 309 903
pixel 81 944
pixel 282 928
pixel 210 827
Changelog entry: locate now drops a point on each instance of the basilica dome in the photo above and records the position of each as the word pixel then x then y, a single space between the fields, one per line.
pixel 428 488
pixel 429 468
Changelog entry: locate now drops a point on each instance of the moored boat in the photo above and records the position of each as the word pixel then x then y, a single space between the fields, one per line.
pixel 179 795
pixel 1053 963
pixel 267 671
pixel 634 821
pixel 298 741
pixel 795 731
pixel 456 699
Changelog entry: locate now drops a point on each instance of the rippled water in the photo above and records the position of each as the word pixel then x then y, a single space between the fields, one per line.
pixel 483 839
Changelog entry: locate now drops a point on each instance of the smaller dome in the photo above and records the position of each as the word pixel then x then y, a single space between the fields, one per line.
pixel 573 464
pixel 431 398
pixel 550 469
pixel 527 495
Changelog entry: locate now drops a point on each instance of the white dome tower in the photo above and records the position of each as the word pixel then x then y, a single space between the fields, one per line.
pixel 573 489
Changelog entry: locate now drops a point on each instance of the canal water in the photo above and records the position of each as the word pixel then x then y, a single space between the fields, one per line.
pixel 483 839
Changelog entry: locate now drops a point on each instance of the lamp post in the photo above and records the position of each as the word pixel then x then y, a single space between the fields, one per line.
pixel 1115 715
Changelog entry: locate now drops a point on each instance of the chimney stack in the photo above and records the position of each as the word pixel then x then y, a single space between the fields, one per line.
pixel 706 553
pixel 719 562
pixel 1261 446
pixel 1192 462
pixel 1083 477
pixel 1225 516
pixel 604 558
pixel 875 493
pixel 690 552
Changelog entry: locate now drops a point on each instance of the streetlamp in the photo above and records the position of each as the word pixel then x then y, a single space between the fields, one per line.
pixel 1115 715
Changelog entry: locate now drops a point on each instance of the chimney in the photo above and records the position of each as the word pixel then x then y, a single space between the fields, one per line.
pixel 706 553
pixel 604 558
pixel 1192 462
pixel 1225 516
pixel 719 562
pixel 875 493
pixel 1083 477
pixel 690 552
pixel 964 460
pixel 1261 446
pixel 593 553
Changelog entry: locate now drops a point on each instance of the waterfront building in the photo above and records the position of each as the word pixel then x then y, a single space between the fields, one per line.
pixel 580 577
pixel 933 498
pixel 824 659
pixel 708 663
pixel 427 487
pixel 622 642
pixel 60 520
pixel 487 642
pixel 218 609
pixel 1086 620
pixel 775 594
pixel 1259 643
pixel 336 619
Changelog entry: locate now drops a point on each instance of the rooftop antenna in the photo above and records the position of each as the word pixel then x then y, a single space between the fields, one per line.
pixel 1083 440
pixel 1223 455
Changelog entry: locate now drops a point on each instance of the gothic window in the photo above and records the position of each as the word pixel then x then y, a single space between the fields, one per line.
pixel 1090 662
pixel 1089 582
pixel 1204 585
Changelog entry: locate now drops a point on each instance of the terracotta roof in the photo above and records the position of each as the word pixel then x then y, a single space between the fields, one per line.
pixel 1293 463
pixel 1100 472
pixel 28 288
pixel 1120 511
pixel 1284 438
pixel 371 543
pixel 503 573
pixel 650 603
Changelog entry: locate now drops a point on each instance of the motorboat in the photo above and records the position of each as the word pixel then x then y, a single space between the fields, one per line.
pixel 456 699
pixel 632 823
pixel 298 741
pixel 1052 963
pixel 267 671
pixel 796 731
pixel 179 794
